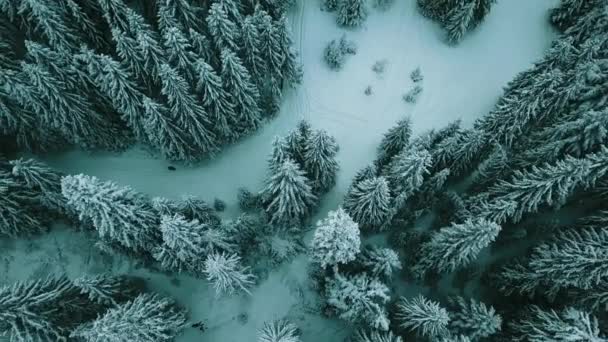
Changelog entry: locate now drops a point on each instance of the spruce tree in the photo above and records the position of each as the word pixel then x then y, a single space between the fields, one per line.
pixel 270 45
pixel 279 331
pixel 117 213
pixel 17 214
pixel 351 12
pixel 336 240
pixel 280 152
pixel 238 84
pixel 492 168
pixel 459 20
pixel 288 195
pixel 87 23
pixel 474 319
pixel 381 262
pixel 166 135
pixel 216 100
pixel 128 50
pixel 109 289
pixel 424 316
pixel 224 31
pixel 227 274
pixel 368 202
pixel 40 178
pixel 251 49
pixel 566 325
pixel 184 237
pixel 291 70
pixel 146 318
pixel 180 54
pixel 406 173
pixel 394 141
pixel 320 164
pixel 186 110
pixel 202 47
pixel 456 246
pixel 569 11
pixel 186 14
pixel 49 19
pixel 359 299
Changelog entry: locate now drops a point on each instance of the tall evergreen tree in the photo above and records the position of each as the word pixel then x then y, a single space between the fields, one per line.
pixel 270 45
pixel 425 317
pixel 368 202
pixel 17 217
pixel 336 240
pixel 49 19
pixel 394 141
pixel 456 246
pixel 406 173
pixel 117 213
pixel 474 319
pixel 566 325
pixel 215 99
pixel 146 318
pixel 40 178
pixel 291 70
pixel 352 12
pixel 179 50
pixel 288 195
pixel 184 237
pixel 227 274
pixel 320 164
pixel 238 84
pixel 224 31
pixel 184 12
pixel 186 111
pixel 459 20
pixel 251 49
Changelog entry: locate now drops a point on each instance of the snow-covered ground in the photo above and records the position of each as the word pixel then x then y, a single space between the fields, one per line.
pixel 459 82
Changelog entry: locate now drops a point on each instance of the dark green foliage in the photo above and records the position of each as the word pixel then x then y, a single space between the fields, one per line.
pixel 19 214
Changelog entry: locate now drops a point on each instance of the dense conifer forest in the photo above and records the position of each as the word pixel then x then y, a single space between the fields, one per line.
pixel 488 231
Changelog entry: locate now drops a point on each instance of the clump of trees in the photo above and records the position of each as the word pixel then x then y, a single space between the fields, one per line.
pixel 183 78
pixel 457 17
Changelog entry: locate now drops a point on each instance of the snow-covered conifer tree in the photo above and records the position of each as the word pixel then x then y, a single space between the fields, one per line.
pixel 108 289
pixel 569 324
pixel 215 99
pixel 288 195
pixel 202 47
pixel 278 331
pixel 117 213
pixel 359 299
pixel 227 274
pixel 224 31
pixel 16 216
pixel 281 151
pixel 569 11
pixel 237 82
pixel 492 168
pixel 320 162
pixel 336 240
pixel 291 70
pixel 459 20
pixel 377 336
pixel 456 246
pixel 38 177
pixel 351 12
pixel 194 208
pixel 381 262
pixel 406 173
pixel 186 110
pixel 270 44
pixel 298 141
pixel 146 318
pixel 574 259
pixel 184 12
pixel 184 237
pixel 424 316
pixel 251 44
pixel 368 202
pixel 179 52
pixel 48 18
pixel 394 141
pixel 474 319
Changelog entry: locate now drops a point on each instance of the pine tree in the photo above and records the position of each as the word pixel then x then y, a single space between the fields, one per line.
pixel 215 99
pixel 351 12
pixel 40 178
pixel 291 70
pixel 270 44
pixel 250 47
pixel 381 262
pixel 116 83
pixel 117 213
pixel 456 246
pixel 184 237
pixel 194 208
pixel 165 134
pixel 394 141
pixel 288 195
pixel 180 54
pixel 186 14
pixel 186 111
pixel 238 84
pixel 146 318
pixel 117 14
pixel 17 216
pixel 278 331
pixel 569 11
pixel 43 309
pixel 202 47
pixel 320 164
pixel 548 325
pixel 474 319
pixel 298 140
pixel 227 274
pixel 281 151
pixel 459 20
pixel 336 240
pixel 359 299
pixel 108 289
pixel 425 317
pixel 48 19
pixel 406 173
pixel 224 31
pixel 492 168
pixel 460 151
pixel 368 202
pixel 574 259
pixel 377 336
pixel 87 23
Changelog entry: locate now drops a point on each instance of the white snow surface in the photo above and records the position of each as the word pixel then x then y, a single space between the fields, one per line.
pixel 459 82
